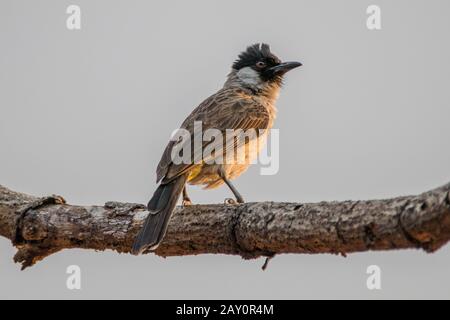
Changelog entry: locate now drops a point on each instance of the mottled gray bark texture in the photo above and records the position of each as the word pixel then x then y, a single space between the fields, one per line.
pixel 39 227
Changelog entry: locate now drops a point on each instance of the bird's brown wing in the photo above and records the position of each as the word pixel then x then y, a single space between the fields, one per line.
pixel 227 109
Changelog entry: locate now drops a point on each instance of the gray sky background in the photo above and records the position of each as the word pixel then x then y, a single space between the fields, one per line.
pixel 86 114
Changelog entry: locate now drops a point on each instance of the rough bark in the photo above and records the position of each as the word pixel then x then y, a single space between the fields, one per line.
pixel 39 227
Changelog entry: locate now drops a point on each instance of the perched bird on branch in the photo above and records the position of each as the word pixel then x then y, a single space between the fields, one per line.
pixel 246 103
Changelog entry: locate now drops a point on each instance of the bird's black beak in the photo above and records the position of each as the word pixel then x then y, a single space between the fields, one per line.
pixel 282 68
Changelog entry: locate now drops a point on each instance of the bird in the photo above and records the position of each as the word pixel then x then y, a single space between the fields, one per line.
pixel 245 102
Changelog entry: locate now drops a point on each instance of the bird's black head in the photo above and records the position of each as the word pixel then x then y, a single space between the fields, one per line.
pixel 264 63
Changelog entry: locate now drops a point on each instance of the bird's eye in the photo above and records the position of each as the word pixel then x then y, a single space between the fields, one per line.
pixel 260 64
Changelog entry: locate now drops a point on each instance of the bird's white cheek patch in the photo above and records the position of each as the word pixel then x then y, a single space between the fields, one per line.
pixel 249 76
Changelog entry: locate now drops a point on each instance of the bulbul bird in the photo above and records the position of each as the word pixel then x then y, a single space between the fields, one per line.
pixel 246 102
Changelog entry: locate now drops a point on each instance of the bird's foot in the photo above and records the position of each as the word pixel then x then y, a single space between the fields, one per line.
pixel 186 203
pixel 231 201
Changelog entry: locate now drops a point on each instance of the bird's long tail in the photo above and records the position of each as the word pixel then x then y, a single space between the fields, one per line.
pixel 160 206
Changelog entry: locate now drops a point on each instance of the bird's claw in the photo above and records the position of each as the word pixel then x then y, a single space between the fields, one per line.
pixel 187 203
pixel 230 201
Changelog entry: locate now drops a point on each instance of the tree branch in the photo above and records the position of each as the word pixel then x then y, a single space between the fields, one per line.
pixel 39 227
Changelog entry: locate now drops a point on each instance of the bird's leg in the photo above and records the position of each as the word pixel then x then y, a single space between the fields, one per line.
pixel 239 198
pixel 186 200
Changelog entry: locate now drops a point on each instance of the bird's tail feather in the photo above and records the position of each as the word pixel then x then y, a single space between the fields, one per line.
pixel 160 206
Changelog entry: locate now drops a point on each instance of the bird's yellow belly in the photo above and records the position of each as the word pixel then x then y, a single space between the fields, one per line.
pixel 244 156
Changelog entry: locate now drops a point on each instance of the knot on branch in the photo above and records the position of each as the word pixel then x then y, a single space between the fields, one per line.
pixel 244 219
pixel 430 232
pixel 28 235
pixel 29 232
